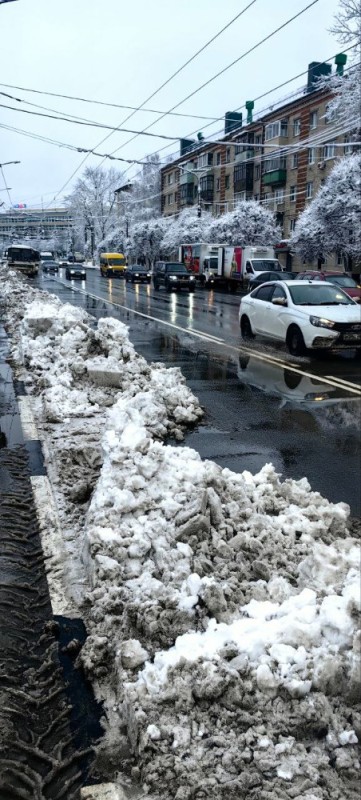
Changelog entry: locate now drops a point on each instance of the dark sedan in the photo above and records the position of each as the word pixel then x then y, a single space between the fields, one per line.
pixel 264 277
pixel 49 266
pixel 75 272
pixel 137 274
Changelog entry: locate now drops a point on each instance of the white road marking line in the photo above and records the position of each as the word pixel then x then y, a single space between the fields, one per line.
pixel 207 337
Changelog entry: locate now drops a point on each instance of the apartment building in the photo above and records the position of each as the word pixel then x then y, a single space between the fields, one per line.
pixel 279 159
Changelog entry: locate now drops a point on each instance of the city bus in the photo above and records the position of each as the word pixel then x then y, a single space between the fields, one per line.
pixel 112 265
pixel 23 258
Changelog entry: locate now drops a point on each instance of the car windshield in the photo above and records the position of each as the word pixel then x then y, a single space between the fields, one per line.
pixel 139 269
pixel 343 280
pixel 263 265
pixel 176 268
pixel 318 294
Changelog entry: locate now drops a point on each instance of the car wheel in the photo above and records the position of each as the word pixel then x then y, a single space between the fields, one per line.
pixel 295 341
pixel 168 287
pixel 156 285
pixel 246 329
pixel 191 289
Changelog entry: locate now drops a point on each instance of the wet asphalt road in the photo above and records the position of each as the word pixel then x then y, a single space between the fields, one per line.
pixel 261 404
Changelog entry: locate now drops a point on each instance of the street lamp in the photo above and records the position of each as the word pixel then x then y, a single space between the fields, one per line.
pixel 5 163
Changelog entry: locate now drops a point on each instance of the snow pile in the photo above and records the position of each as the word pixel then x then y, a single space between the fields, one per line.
pixel 222 611
pixel 223 615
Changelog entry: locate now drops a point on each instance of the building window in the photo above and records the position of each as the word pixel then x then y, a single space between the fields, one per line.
pixel 309 190
pixel 228 155
pixel 218 158
pixel 279 196
pixel 292 225
pixel 205 160
pixel 294 161
pixel 348 147
pixel 257 172
pixel 170 178
pixel 226 182
pixel 293 192
pixel 218 184
pixel 258 138
pixel 279 128
pixel 296 127
pixel 274 163
pixel 256 197
pixel 329 151
pixel 311 155
pixel 313 120
pixel 170 198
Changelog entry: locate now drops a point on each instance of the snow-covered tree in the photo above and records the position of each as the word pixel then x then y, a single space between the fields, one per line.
pixel 144 198
pixel 145 240
pixel 186 228
pixel 249 224
pixel 331 223
pixel 346 103
pixel 94 210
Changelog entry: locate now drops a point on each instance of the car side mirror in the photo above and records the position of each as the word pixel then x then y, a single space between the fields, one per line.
pixel 279 301
pixel 248 268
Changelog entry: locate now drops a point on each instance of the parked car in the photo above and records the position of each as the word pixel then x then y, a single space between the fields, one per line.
pixel 75 272
pixel 137 274
pixel 173 275
pixel 270 276
pixel 341 279
pixel 304 315
pixel 49 266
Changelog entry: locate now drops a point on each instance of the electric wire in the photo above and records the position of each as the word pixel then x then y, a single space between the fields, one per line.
pixel 101 102
pixel 225 69
pixel 165 83
pixel 266 109
pixel 89 123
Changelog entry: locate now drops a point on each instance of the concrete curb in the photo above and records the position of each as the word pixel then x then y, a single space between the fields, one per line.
pixel 46 512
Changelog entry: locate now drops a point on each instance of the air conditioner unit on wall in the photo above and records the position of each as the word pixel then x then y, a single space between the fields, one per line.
pixel 321 164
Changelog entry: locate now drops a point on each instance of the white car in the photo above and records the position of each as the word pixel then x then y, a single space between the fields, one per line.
pixel 304 315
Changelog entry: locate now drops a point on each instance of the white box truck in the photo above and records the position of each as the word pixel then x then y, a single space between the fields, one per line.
pixel 215 264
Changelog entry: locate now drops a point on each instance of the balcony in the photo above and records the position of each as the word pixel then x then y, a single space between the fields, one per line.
pixel 244 155
pixel 206 188
pixel 186 177
pixel 186 194
pixel 243 178
pixel 274 178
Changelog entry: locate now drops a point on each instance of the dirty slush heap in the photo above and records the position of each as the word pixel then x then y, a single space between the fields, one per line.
pixel 221 608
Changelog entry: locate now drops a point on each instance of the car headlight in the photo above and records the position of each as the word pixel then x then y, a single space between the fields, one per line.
pixel 192 278
pixel 172 277
pixel 136 275
pixel 320 322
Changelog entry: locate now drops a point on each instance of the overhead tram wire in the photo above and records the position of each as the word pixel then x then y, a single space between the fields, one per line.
pixel 71 147
pixel 88 124
pixel 225 69
pixel 260 97
pixel 100 102
pixel 165 83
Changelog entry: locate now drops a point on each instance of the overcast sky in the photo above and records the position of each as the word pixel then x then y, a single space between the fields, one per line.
pixel 121 53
